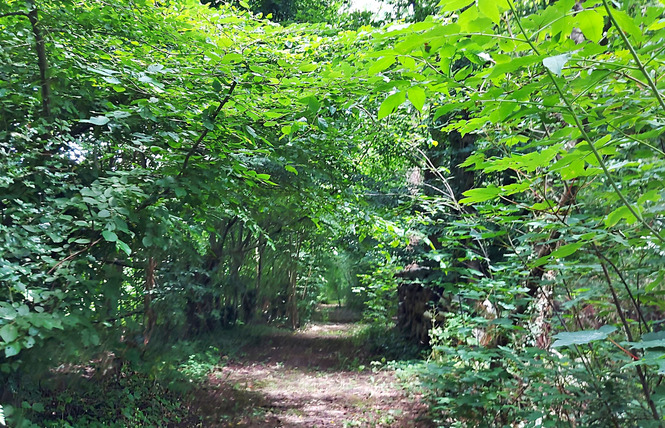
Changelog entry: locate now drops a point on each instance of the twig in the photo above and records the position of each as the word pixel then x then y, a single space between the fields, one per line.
pixel 627 352
pixel 71 256
pixel 206 130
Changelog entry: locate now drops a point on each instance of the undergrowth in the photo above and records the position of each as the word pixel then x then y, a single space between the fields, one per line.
pixel 153 389
pixel 387 343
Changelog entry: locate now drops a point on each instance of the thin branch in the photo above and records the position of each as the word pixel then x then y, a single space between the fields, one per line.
pixel 23 14
pixel 625 284
pixel 646 390
pixel 206 130
pixel 71 256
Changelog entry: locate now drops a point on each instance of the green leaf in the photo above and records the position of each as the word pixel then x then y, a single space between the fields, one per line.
pixel 561 252
pixel 9 332
pixel 489 9
pixel 481 195
pixel 648 344
pixel 583 337
pixel 13 349
pixel 619 214
pixel 291 169
pixel 231 58
pixel 591 23
pixel 102 71
pixel 112 80
pixel 566 250
pixel 110 236
pixel 313 104
pixel 655 283
pixel 390 104
pixel 306 68
pixel 123 247
pixel 555 63
pixel 627 24
pixel 104 214
pixel 417 97
pixel 208 124
pixel 29 342
pixel 652 195
pixel 513 64
pixel 452 5
pixel 573 170
pixel 8 312
pixel 381 64
pixel 97 120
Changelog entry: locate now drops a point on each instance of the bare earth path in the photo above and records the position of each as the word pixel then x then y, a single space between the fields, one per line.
pixel 306 379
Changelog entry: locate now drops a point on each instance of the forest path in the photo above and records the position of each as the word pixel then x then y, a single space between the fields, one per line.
pixel 313 377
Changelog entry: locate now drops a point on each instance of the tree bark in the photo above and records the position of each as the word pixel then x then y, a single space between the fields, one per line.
pixel 42 63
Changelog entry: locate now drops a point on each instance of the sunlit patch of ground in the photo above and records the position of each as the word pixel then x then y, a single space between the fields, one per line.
pixel 310 378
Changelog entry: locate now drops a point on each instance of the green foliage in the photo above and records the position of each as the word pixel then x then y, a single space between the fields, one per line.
pixel 379 290
pixel 541 223
pixel 169 169
pixel 180 175
pixel 387 343
pixel 119 392
pixel 288 11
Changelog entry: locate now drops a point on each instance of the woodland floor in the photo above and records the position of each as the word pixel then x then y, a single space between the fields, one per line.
pixel 314 377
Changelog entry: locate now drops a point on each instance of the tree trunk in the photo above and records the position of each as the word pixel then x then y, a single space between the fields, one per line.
pixel 42 62
pixel 149 316
pixel 292 302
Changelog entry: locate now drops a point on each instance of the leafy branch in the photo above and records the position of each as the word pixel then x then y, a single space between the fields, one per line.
pixel 636 57
pixel 585 135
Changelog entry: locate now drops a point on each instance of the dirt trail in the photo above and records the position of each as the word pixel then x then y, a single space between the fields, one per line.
pixel 309 378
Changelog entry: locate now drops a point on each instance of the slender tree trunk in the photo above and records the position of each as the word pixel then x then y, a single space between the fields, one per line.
pixel 292 303
pixel 40 49
pixel 149 316
pixel 42 61
pixel 260 249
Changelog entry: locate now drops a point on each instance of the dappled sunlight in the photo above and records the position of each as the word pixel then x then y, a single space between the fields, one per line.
pixel 312 377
